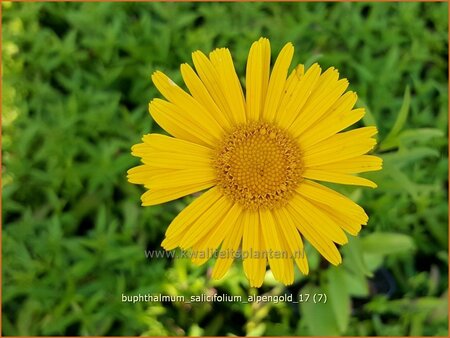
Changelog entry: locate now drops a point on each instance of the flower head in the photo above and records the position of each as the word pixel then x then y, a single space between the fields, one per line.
pixel 259 156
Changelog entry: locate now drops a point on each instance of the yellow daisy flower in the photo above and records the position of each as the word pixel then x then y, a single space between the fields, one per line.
pixel 259 155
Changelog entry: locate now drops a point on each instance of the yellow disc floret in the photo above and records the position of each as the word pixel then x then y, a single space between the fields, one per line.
pixel 258 165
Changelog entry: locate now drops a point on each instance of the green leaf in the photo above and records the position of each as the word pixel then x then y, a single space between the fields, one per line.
pixel 312 59
pixel 373 260
pixel 386 243
pixel 391 139
pixel 404 182
pixel 319 317
pixel 354 259
pixel 356 284
pixel 416 136
pixel 339 297
pixel 313 256
pixel 419 135
pixel 369 118
pixel 257 330
pixel 401 158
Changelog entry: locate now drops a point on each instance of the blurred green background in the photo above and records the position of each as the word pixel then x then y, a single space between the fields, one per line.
pixel 76 84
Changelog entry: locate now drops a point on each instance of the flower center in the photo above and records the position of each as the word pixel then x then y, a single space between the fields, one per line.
pixel 258 165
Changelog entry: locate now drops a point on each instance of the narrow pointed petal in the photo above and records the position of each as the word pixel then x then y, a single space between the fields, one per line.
pixel 257 78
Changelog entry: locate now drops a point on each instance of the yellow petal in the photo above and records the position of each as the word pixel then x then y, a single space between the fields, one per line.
pixel 192 212
pixel 353 165
pixel 253 253
pixel 277 82
pixel 340 147
pixel 291 82
pixel 158 196
pixel 337 118
pixel 142 173
pixel 326 226
pixel 229 81
pixel 277 255
pixel 321 194
pixel 293 239
pixel 206 222
pixel 211 241
pixel 288 277
pixel 180 124
pixel 176 161
pixel 187 106
pixel 325 94
pixel 327 176
pixel 181 178
pixel 160 151
pixel 257 77
pixel 211 79
pixel 173 168
pixel 324 245
pixel 300 70
pixel 228 250
pixel 161 142
pixel 347 223
pixel 152 144
pixel 346 213
pixel 297 94
pixel 201 94
pixel 172 242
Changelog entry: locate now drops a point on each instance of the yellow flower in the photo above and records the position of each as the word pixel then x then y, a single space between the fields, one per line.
pixel 259 155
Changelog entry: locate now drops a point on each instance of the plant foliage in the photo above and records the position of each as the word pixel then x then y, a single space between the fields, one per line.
pixel 76 84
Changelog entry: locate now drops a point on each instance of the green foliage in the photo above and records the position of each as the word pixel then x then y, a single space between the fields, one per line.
pixel 75 93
